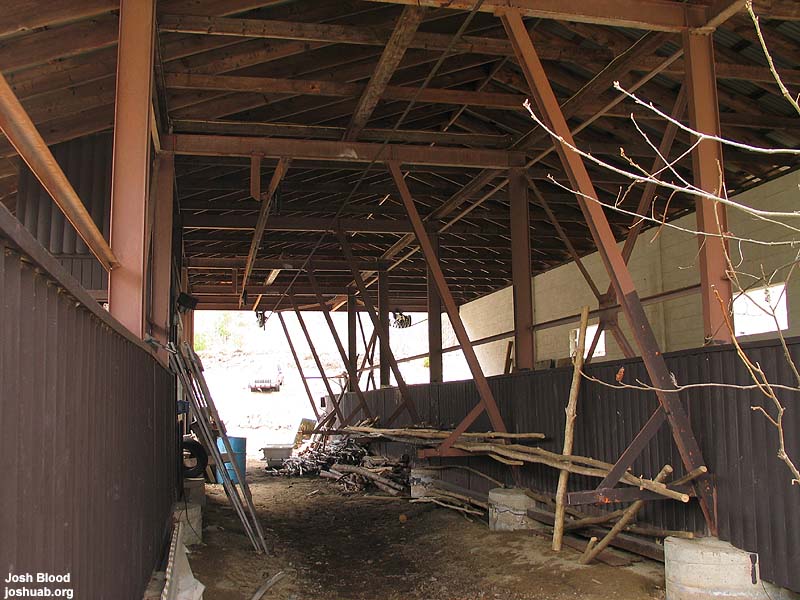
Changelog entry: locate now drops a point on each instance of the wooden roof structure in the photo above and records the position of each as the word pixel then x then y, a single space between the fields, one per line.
pixel 301 100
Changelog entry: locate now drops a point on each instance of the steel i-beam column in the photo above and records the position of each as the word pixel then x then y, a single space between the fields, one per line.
pixel 383 315
pixel 352 330
pixel 162 250
pixel 701 84
pixel 435 366
pixel 521 270
pixel 126 294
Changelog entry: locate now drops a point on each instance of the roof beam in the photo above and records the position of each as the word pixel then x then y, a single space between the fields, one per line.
pixel 22 16
pixel 234 223
pixel 271 85
pixel 393 52
pixel 359 152
pixel 263 215
pixel 335 133
pixel 297 263
pixel 654 15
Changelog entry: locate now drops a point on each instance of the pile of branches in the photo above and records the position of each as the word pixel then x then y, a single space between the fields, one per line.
pixel 389 477
pixel 318 457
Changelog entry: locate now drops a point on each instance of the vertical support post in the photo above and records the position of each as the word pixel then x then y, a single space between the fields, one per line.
pixel 701 83
pixel 521 270
pixel 435 366
pixel 383 316
pixel 131 162
pixel 161 279
pixel 383 332
pixel 352 326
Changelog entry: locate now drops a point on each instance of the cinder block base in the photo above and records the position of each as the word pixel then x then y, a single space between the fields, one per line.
pixel 708 568
pixel 191 515
pixel 508 510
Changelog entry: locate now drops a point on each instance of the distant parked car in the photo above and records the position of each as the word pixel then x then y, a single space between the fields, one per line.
pixel 272 383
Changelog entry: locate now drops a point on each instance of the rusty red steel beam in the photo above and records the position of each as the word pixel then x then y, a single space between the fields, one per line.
pixel 487 401
pixel 652 15
pixel 434 306
pixel 317 360
pixel 615 265
pixel 161 268
pixel 708 172
pixel 521 270
pixel 369 352
pixel 299 365
pixel 263 215
pixel 383 334
pixel 619 336
pixel 26 139
pixel 131 162
pixel 351 372
pixel 404 31
pixel 646 200
pixel 353 152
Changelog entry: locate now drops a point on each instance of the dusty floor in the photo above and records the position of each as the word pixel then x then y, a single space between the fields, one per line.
pixel 336 547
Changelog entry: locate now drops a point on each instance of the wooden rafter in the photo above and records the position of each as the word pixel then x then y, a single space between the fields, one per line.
pixel 393 52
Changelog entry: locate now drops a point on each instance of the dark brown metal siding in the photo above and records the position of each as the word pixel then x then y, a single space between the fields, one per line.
pixel 758 508
pixel 87 440
pixel 87 164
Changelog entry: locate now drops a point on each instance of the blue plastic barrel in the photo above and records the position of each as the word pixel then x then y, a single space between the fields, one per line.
pixel 239 447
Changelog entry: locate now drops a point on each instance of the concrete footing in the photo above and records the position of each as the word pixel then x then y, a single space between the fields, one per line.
pixel 508 510
pixel 194 490
pixel 421 480
pixel 191 515
pixel 709 568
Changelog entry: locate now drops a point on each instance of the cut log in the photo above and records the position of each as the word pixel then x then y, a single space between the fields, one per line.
pixel 569 429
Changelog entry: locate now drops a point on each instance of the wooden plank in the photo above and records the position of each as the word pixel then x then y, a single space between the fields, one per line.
pixel 393 52
pixel 20 16
pixel 271 85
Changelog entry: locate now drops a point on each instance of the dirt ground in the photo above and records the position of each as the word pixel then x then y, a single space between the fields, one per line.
pixel 337 547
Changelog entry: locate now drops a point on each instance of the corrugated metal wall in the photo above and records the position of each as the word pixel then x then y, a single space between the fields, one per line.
pixel 88 441
pixel 86 162
pixel 758 508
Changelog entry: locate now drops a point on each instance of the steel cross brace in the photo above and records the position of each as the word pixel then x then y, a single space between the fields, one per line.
pixel 617 269
pixel 383 334
pixel 328 388
pixel 604 302
pixel 487 401
pixel 299 366
pixel 351 372
pixel 646 201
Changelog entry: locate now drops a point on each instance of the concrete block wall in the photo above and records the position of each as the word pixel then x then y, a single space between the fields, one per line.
pixel 660 262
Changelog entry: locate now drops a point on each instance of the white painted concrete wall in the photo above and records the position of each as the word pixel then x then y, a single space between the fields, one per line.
pixel 659 263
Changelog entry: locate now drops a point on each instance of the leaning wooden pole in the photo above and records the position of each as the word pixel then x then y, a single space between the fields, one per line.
pixel 569 430
pixel 624 521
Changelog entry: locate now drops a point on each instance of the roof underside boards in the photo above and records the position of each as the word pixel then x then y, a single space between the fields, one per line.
pixel 295 78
